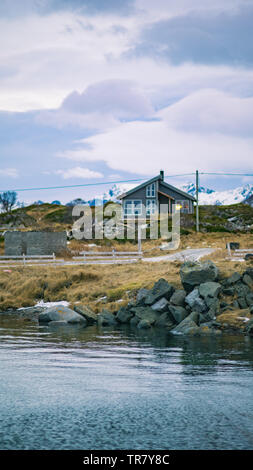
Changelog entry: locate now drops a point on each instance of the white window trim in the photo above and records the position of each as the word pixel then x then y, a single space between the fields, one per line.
pixel 152 209
pixel 152 194
pixel 132 207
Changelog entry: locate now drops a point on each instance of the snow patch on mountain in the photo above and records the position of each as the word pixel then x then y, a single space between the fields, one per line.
pixel 212 197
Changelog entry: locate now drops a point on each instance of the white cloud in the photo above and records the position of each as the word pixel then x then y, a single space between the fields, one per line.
pixel 211 111
pixel 11 172
pixel 146 147
pixel 79 172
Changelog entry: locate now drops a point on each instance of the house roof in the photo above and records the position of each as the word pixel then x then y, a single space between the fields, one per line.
pixel 152 180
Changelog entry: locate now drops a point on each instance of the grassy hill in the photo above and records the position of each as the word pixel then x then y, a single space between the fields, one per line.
pixel 234 218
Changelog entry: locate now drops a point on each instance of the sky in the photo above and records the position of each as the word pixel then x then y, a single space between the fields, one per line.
pixel 96 91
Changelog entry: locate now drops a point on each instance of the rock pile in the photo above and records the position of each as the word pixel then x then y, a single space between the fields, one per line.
pixel 206 304
pixel 196 308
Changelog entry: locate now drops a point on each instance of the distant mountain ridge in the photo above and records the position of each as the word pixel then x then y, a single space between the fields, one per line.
pixel 207 196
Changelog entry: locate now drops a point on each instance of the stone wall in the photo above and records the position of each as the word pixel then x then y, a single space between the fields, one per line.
pixel 34 243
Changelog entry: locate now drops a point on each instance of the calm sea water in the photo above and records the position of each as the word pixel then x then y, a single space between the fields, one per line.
pixel 71 388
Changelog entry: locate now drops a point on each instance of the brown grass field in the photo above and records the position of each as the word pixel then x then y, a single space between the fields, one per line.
pixel 24 286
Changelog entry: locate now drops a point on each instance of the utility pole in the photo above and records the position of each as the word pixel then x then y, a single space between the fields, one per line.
pixel 197 201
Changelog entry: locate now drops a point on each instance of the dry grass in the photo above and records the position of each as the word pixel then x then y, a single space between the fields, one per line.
pixel 24 286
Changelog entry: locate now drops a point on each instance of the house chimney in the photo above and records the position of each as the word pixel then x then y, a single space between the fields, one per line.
pixel 162 175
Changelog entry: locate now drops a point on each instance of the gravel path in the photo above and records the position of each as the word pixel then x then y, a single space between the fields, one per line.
pixel 191 254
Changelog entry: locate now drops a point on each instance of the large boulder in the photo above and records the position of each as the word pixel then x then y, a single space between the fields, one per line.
pixel 233 279
pixel 63 314
pixel 209 289
pixel 178 313
pixel 106 318
pixel 178 298
pixel 161 305
pixel 195 273
pixel 141 296
pixel 145 313
pixel 87 313
pixel 161 289
pixel 186 327
pixel 195 301
pixel 144 324
pixel 124 315
pixel 248 280
pixel 164 321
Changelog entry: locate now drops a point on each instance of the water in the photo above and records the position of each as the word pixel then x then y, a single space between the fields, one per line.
pixel 74 388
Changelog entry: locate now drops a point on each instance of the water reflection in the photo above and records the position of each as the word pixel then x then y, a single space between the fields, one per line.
pixel 91 388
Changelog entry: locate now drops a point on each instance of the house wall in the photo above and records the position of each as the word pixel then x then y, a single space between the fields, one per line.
pixel 175 195
pixel 34 243
pixel 140 194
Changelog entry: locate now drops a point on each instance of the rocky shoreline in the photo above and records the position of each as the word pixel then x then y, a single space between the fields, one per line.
pixel 207 304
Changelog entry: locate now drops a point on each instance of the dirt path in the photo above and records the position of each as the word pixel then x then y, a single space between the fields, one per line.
pixel 191 254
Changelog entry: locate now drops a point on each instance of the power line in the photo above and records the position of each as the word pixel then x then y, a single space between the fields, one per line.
pixel 91 184
pixel 226 174
pixel 100 183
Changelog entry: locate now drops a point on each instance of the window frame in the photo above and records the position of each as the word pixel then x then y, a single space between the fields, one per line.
pixel 132 201
pixel 153 207
pixel 150 190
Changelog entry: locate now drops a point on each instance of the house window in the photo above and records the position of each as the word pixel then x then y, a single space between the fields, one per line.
pixel 133 207
pixel 151 207
pixel 184 206
pixel 150 190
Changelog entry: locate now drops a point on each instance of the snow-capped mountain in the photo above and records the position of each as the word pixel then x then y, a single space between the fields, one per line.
pixel 206 195
pixel 210 196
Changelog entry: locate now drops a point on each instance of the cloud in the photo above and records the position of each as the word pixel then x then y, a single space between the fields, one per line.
pixel 11 172
pixel 121 98
pixel 146 147
pixel 211 111
pixel 201 36
pixel 79 172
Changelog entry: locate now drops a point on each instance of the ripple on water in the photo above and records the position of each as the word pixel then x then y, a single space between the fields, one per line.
pixel 79 389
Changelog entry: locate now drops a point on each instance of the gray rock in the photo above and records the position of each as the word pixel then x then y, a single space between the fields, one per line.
pixel 235 304
pixel 145 313
pixel 178 313
pixel 57 323
pixel 228 291
pixel 87 313
pixel 161 289
pixel 248 281
pixel 61 314
pixel 186 327
pixel 178 298
pixel 241 289
pixel 209 289
pixel 195 273
pixel 233 279
pixel 144 324
pixel 196 303
pixel 161 305
pixel 164 321
pixel 242 302
pixel 194 316
pixel 134 321
pixel 124 315
pixel 106 318
pixel 249 299
pixel 141 296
